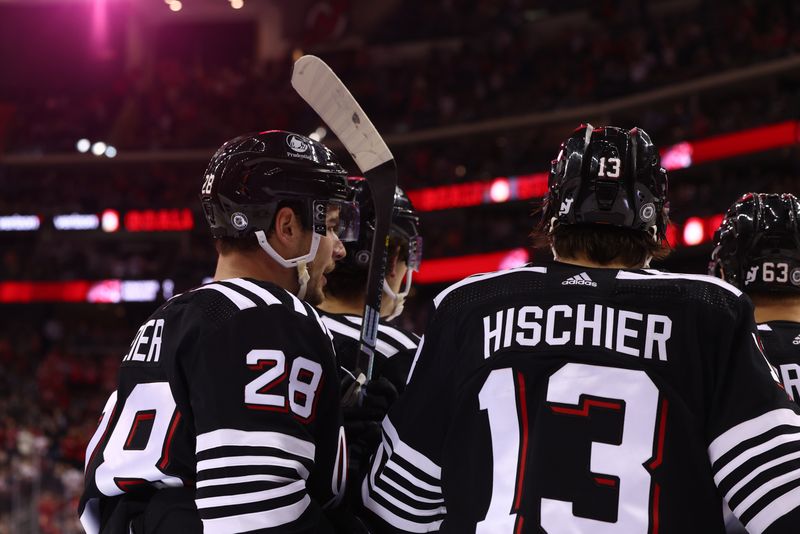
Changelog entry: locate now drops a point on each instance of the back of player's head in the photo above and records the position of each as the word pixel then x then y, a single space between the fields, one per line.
pixel 757 246
pixel 405 242
pixel 250 175
pixel 607 181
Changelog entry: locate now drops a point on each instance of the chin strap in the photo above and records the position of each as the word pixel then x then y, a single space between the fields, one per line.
pixel 300 262
pixel 399 298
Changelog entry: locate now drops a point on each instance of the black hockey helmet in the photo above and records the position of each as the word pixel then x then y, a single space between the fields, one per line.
pixel 608 175
pixel 250 174
pixel 757 246
pixel 404 228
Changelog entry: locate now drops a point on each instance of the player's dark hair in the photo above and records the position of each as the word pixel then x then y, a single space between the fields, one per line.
pixel 348 283
pixel 226 245
pixel 601 244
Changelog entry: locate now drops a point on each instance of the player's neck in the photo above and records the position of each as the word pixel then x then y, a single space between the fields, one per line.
pixel 257 266
pixel 767 310
pixel 582 261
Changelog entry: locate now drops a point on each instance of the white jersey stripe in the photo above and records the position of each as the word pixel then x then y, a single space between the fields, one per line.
pixel 761 468
pixel 237 298
pixel 393 500
pixel 773 511
pixel 335 326
pixel 229 437
pixel 415 458
pixel 255 496
pixel 777 441
pixel 90 518
pixel 242 480
pixel 405 490
pixel 390 331
pixel 393 466
pixel 484 276
pixel 298 304
pixel 764 489
pixel 265 295
pixel 236 461
pixel 750 429
pixel 765 327
pixel 256 520
pixel 655 274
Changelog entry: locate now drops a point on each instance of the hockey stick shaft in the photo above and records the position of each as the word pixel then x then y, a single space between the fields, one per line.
pixel 319 86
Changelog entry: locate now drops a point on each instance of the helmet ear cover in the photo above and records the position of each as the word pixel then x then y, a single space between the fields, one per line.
pixel 757 246
pixel 608 176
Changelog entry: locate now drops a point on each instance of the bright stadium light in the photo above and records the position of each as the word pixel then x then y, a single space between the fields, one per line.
pixel 111 152
pixel 693 231
pixel 500 191
pixel 99 148
pixel 83 145
pixel 175 5
pixel 109 221
pixel 237 4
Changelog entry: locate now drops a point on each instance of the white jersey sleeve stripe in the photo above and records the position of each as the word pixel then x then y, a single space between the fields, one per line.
pixel 485 276
pixel 400 505
pixel 262 293
pixel 415 458
pixel 654 274
pixel 255 496
pixel 736 462
pixel 335 326
pixel 393 466
pixel 774 511
pixel 416 358
pixel 236 461
pixel 406 491
pixel 764 489
pixel 228 437
pixel 237 298
pixel 242 480
pixel 760 469
pixel 750 429
pixel 389 331
pixel 298 304
pixel 256 520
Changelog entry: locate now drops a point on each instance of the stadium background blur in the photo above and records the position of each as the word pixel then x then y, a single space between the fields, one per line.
pixel 110 109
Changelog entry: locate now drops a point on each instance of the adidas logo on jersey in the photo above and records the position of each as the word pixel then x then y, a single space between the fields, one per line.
pixel 796 341
pixel 579 280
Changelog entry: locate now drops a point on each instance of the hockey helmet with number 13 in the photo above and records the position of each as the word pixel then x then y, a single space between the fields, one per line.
pixel 250 175
pixel 757 246
pixel 608 175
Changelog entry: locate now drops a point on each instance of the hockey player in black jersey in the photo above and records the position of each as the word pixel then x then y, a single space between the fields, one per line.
pixel 757 249
pixel 346 289
pixel 593 394
pixel 227 414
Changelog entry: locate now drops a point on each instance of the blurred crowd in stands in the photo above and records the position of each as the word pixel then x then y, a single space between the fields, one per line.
pixel 496 66
pixel 57 374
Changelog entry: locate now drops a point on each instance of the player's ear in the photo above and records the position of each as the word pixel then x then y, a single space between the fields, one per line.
pixel 287 229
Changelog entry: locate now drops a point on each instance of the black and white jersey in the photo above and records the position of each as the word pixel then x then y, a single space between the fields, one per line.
pixel 230 389
pixel 782 344
pixel 394 350
pixel 563 399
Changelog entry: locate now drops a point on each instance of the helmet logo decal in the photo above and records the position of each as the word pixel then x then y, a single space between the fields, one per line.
pixel 362 257
pixel 239 220
pixel 297 144
pixel 795 276
pixel 751 275
pixel 647 212
pixel 565 206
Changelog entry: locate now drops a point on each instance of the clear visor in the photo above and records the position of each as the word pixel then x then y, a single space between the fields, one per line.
pixel 347 219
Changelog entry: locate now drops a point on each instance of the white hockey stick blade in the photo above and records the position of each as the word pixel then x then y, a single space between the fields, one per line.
pixel 319 86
